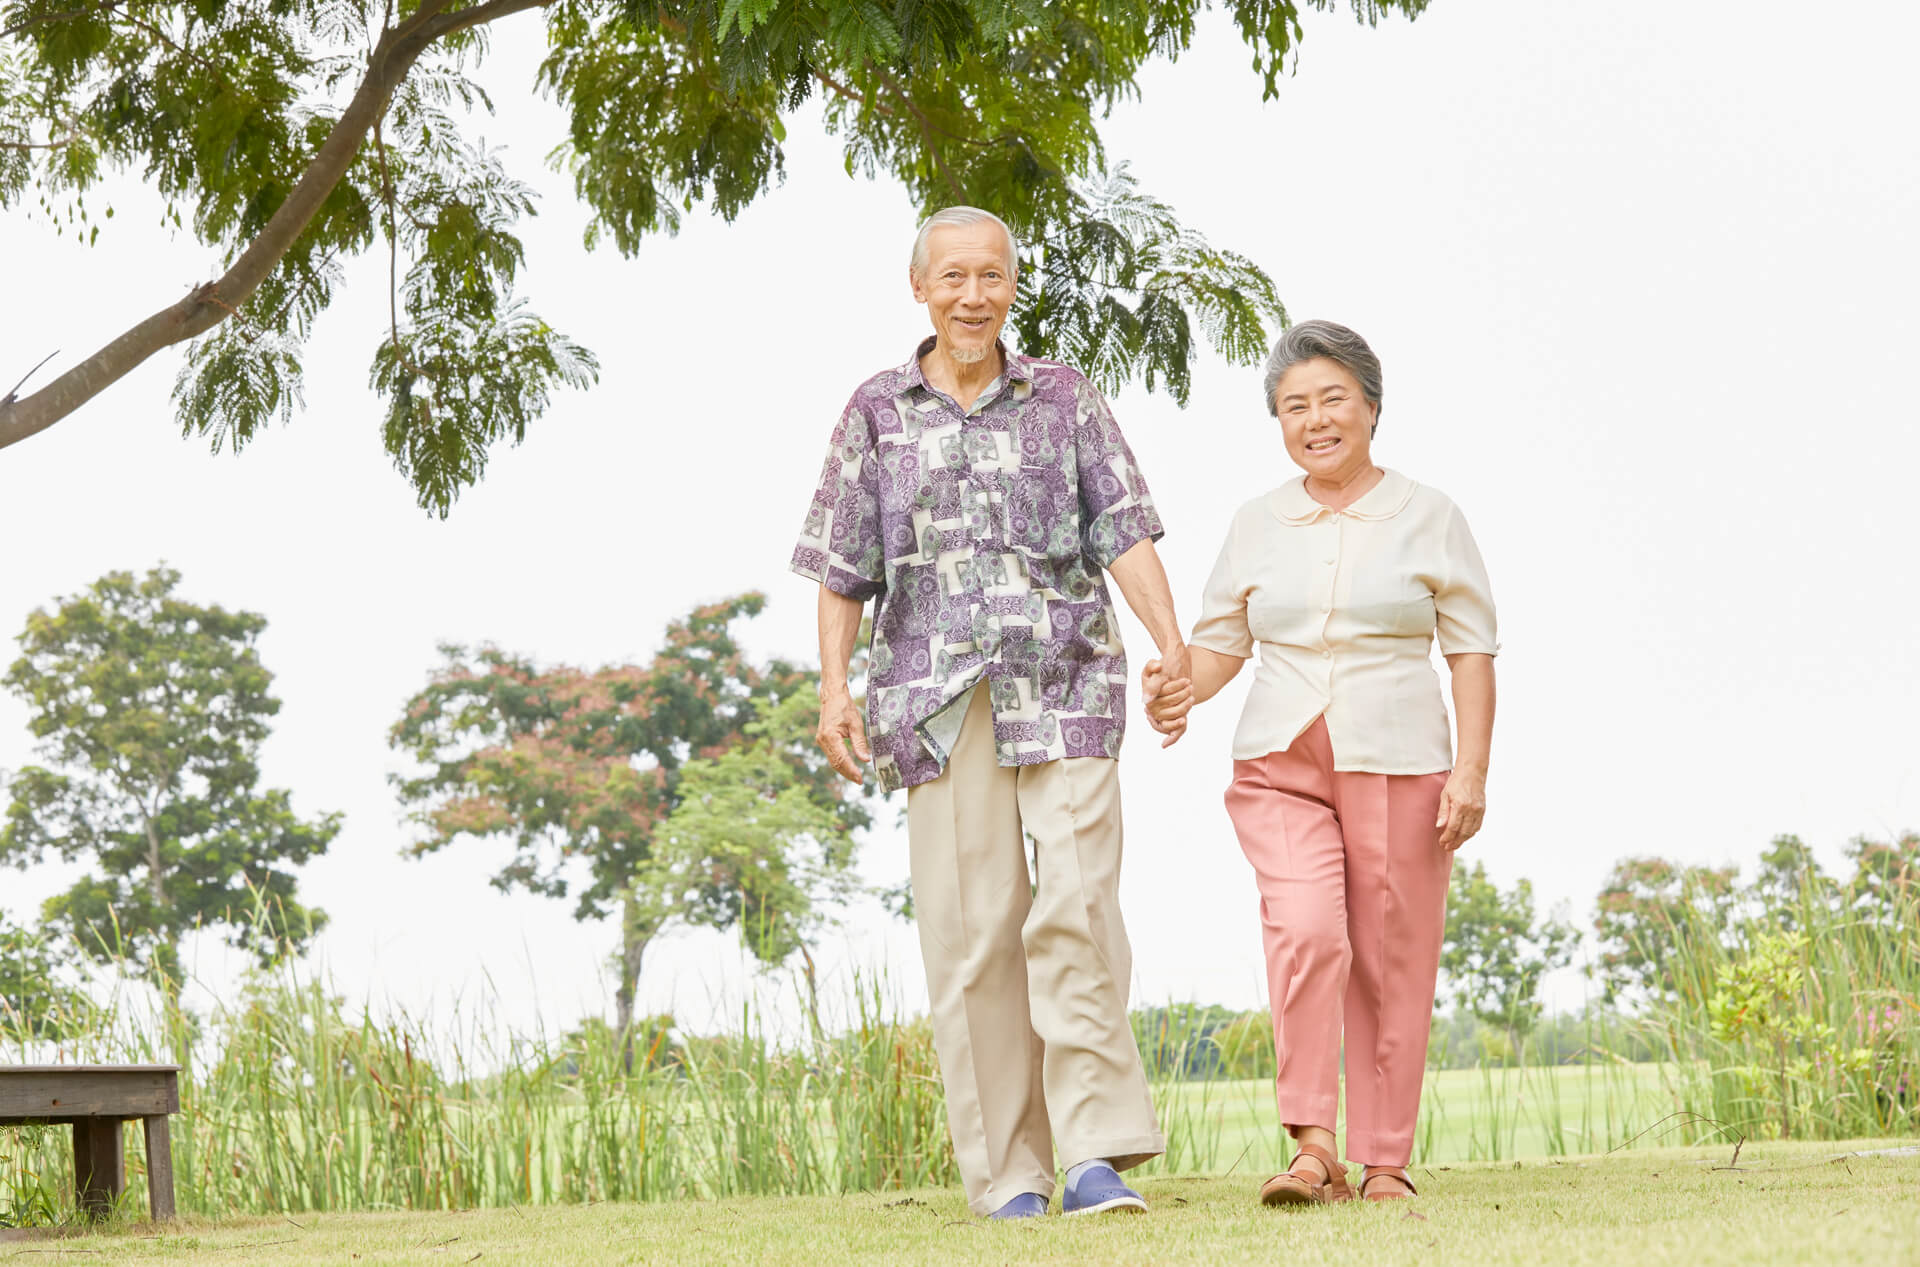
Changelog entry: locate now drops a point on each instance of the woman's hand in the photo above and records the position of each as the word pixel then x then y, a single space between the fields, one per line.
pixel 1463 803
pixel 1168 700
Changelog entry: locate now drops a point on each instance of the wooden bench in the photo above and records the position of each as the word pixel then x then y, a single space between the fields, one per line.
pixel 95 1100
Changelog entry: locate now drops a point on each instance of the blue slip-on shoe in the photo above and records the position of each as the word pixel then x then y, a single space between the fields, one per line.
pixel 1098 1188
pixel 1028 1205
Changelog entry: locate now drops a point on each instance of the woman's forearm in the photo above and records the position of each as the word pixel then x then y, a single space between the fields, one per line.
pixel 1211 671
pixel 1473 698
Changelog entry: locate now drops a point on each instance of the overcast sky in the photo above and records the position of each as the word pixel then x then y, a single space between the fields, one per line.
pixel 1642 279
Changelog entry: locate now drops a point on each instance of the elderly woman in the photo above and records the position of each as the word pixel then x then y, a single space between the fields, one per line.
pixel 1347 796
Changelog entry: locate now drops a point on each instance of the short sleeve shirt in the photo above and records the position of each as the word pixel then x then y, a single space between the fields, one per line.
pixel 1345 606
pixel 980 536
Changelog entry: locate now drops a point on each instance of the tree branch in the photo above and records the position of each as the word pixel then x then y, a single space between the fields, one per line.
pixel 841 90
pixel 28 24
pixel 13 395
pixel 481 14
pixel 393 249
pixel 206 306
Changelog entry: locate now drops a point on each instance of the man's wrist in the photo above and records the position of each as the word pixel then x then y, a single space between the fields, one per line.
pixel 829 691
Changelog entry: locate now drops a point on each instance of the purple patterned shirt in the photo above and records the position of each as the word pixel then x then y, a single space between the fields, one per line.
pixel 981 536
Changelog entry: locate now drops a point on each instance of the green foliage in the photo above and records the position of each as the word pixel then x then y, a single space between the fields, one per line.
pixel 224 107
pixel 150 711
pixel 1762 1003
pixel 1495 951
pixel 1806 1024
pixel 753 843
pixel 34 999
pixel 584 767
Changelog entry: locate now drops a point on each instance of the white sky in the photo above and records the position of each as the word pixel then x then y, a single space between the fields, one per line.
pixel 1642 280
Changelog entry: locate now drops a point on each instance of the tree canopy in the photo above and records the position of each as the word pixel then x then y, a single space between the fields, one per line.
pixel 293 135
pixel 1496 950
pixel 150 712
pixel 687 786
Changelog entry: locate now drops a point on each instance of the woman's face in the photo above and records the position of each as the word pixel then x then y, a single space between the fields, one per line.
pixel 1326 419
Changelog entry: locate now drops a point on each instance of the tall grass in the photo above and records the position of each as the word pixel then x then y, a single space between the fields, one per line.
pixel 1801 1024
pixel 290 1101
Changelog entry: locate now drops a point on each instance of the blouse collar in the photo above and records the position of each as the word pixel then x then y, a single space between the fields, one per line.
pixel 1294 505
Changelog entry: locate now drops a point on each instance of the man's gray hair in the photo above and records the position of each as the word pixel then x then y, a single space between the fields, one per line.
pixel 961 217
pixel 1311 339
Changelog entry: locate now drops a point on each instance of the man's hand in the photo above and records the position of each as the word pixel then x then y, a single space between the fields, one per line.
pixel 842 735
pixel 1463 804
pixel 1166 685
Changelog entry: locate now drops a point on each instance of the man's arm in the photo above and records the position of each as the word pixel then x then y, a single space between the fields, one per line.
pixel 1143 582
pixel 840 724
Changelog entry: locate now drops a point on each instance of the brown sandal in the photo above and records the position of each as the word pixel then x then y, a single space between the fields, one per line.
pixel 1371 1173
pixel 1289 1188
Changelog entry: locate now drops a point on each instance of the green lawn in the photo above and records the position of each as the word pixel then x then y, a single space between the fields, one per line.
pixel 1466 1115
pixel 1784 1204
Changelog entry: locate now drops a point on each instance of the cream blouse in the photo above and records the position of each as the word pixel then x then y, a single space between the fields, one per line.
pixel 1345 605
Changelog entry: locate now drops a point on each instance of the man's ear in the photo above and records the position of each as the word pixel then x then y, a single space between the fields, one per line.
pixel 913 283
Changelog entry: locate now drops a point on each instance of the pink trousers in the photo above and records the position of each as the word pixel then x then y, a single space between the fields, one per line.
pixel 1353 904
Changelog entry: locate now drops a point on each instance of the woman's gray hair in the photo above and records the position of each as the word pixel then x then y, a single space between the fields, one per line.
pixel 1311 339
pixel 961 217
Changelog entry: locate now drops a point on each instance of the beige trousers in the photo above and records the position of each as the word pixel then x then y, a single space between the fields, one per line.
pixel 1028 985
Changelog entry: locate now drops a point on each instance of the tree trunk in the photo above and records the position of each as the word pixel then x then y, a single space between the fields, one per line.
pixel 208 305
pixel 635 934
pixel 156 882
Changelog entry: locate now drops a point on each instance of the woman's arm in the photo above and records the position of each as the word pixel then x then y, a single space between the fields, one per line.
pixel 1463 803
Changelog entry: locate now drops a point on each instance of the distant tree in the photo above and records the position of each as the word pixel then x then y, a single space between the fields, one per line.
pixel 753 844
pixel 572 765
pixel 150 712
pixel 287 139
pixel 1246 1046
pixel 1885 885
pixel 1790 885
pixel 1662 927
pixel 1495 951
pixel 34 1001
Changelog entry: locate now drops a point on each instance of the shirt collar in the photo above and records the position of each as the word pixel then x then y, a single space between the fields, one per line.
pixel 1019 371
pixel 1294 505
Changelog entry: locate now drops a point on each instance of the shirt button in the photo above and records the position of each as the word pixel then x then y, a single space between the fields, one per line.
pixel 1326 655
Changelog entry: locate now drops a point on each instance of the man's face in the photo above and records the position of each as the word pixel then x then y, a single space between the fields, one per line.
pixel 967 287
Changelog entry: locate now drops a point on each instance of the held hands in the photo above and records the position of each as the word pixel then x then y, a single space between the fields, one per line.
pixel 842 735
pixel 1463 803
pixel 1166 685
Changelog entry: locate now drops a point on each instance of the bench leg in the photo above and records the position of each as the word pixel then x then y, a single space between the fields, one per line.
pixel 99 1165
pixel 159 1167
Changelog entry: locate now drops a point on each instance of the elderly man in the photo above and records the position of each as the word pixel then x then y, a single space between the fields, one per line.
pixel 975 496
